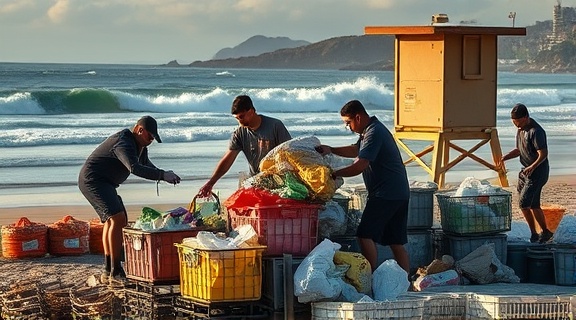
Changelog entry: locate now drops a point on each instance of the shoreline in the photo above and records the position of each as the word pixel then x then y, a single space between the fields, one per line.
pixel 560 190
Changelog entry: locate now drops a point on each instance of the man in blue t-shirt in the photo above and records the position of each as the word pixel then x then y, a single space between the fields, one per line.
pixel 385 216
pixel 255 137
pixel 532 148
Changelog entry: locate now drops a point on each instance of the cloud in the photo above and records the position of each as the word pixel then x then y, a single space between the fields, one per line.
pixel 16 6
pixel 57 13
pixel 380 4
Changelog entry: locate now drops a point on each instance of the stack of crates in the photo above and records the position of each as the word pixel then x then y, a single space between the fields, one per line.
pixel 469 222
pixel 151 256
pixel 419 227
pixel 223 282
pixel 152 272
pixel 284 229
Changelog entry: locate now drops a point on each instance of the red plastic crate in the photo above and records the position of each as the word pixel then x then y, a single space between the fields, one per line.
pixel 282 228
pixel 152 256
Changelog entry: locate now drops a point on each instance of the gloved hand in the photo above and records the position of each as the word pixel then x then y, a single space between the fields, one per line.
pixel 171 177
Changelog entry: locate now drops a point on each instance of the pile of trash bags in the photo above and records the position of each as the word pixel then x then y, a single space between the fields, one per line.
pixel 295 170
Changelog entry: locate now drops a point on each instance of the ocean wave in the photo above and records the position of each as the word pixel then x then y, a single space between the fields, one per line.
pixel 372 92
pixel 375 95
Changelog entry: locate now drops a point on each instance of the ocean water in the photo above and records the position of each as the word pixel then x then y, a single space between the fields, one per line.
pixel 53 115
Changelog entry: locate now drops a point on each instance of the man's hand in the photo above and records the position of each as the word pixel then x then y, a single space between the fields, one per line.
pixel 171 177
pixel 206 190
pixel 323 149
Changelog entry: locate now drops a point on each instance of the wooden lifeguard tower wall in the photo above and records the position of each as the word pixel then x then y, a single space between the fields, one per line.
pixel 445 90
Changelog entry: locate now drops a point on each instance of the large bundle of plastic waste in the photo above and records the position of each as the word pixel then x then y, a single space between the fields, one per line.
pixel 295 170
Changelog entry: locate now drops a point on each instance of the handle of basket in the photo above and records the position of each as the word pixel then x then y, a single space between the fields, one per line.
pixel 192 206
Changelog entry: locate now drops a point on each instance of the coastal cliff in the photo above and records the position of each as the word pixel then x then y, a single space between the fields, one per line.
pixel 376 52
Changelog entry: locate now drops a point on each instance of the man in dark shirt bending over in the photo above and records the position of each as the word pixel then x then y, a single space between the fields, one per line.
pixel 106 168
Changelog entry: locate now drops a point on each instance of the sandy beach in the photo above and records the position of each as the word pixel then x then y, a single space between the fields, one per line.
pixel 560 190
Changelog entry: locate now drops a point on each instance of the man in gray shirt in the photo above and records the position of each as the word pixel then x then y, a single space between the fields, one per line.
pixel 255 137
pixel 108 166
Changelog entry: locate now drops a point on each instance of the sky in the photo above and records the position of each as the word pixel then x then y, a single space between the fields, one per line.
pixel 159 31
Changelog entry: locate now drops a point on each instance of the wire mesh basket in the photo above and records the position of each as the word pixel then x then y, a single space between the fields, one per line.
pixel 96 302
pixel 57 297
pixel 475 215
pixel 22 300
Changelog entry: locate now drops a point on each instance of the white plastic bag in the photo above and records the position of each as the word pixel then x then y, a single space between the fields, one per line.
pixel 209 241
pixel 331 220
pixel 445 278
pixel 566 231
pixel 519 231
pixel 389 280
pixel 316 278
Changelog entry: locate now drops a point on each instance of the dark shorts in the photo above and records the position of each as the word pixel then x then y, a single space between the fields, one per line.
pixel 103 198
pixel 530 188
pixel 384 221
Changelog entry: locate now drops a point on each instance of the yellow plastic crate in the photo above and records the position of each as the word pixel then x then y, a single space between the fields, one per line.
pixel 220 275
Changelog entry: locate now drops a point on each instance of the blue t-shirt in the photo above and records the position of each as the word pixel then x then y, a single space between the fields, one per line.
pixel 386 176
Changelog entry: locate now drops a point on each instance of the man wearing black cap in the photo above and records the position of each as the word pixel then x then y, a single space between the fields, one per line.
pixel 106 168
pixel 532 148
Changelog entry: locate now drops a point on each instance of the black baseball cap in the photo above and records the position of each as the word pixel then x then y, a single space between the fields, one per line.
pixel 149 123
pixel 519 111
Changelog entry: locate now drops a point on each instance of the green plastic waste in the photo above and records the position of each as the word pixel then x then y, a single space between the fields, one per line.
pixel 149 214
pixel 294 189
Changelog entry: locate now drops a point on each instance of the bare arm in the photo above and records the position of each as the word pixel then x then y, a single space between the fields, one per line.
pixel 350 151
pixel 542 155
pixel 352 170
pixel 510 155
pixel 221 168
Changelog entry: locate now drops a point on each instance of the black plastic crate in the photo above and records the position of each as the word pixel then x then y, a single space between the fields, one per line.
pixel 185 307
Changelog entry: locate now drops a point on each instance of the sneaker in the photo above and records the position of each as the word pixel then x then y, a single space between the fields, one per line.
pixel 545 236
pixel 534 238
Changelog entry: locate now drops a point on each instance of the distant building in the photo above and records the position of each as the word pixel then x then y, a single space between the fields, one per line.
pixel 563 25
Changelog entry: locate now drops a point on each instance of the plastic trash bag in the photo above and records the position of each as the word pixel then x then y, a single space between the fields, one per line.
pixel 519 231
pixel 331 220
pixel 244 235
pixel 566 231
pixel 209 241
pixel 482 266
pixel 294 189
pixel 359 274
pixel 472 187
pixel 300 156
pixel 349 293
pixel 389 280
pixel 444 278
pixel 316 278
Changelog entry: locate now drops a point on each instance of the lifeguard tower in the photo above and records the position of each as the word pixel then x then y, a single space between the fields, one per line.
pixel 445 90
